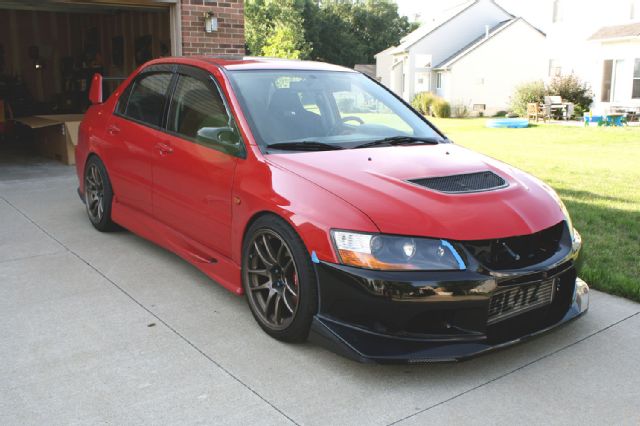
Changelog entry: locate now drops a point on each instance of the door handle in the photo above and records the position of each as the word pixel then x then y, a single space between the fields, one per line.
pixel 113 130
pixel 164 148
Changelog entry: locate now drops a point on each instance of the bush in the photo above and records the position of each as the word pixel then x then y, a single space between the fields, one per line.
pixel 441 108
pixel 500 114
pixel 572 89
pixel 533 91
pixel 460 111
pixel 569 87
pixel 422 102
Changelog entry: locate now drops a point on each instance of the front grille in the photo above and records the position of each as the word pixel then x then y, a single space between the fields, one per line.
pixel 510 301
pixel 468 182
pixel 517 252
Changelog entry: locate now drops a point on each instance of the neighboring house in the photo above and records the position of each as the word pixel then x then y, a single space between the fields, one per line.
pixel 600 44
pixel 474 56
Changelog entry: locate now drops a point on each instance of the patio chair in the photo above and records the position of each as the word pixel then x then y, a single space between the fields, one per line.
pixel 536 111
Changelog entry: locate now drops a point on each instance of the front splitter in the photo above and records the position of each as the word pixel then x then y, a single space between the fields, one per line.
pixel 365 346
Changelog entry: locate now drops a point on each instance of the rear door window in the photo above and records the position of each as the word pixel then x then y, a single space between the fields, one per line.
pixel 146 99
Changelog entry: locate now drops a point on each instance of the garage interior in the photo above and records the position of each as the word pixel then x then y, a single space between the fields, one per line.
pixel 49 50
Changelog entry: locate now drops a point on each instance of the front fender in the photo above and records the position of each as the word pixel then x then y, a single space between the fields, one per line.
pixel 310 209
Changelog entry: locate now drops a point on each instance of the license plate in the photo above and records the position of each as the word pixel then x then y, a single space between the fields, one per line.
pixel 514 300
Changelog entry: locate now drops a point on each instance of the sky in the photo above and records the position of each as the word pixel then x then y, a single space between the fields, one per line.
pixel 530 10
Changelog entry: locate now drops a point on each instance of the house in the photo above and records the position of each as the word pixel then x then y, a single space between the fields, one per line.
pixel 601 45
pixel 473 56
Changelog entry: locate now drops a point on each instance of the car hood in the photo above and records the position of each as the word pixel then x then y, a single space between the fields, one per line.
pixel 375 180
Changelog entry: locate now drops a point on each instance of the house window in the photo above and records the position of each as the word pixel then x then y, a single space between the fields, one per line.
pixel 554 68
pixel 438 80
pixel 636 80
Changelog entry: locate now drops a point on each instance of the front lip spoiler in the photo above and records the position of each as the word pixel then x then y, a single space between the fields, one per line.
pixel 363 346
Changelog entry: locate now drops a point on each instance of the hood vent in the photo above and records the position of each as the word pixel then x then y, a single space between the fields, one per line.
pixel 460 184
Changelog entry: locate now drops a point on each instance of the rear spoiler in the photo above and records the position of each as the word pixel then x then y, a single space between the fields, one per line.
pixel 96 91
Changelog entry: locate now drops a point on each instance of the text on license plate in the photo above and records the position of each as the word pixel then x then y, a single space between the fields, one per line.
pixel 514 300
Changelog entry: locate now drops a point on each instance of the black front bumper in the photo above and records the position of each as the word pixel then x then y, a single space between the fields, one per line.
pixel 420 317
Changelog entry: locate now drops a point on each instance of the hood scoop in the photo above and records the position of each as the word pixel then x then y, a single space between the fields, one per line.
pixel 463 183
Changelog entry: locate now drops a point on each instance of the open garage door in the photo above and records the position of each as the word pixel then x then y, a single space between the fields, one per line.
pixel 49 50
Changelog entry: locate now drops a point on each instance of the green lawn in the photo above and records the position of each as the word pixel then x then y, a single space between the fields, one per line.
pixel 595 170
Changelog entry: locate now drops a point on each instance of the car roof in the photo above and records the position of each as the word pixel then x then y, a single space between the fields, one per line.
pixel 253 63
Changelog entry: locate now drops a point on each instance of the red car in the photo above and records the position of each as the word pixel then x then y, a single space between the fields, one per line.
pixel 340 212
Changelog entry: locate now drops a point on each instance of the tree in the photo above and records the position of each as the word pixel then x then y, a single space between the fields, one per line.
pixel 276 28
pixel 343 32
pixel 285 42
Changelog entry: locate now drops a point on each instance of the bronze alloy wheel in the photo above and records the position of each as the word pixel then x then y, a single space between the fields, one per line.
pixel 272 278
pixel 94 193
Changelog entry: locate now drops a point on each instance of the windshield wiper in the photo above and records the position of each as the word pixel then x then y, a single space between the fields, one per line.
pixel 400 140
pixel 304 146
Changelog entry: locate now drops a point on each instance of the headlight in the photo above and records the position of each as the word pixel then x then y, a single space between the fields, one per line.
pixel 387 252
pixel 565 212
pixel 576 240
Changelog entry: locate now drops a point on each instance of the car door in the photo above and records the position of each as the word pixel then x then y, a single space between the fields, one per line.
pixel 134 129
pixel 194 167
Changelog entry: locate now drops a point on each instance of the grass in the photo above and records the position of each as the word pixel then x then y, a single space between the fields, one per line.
pixel 595 170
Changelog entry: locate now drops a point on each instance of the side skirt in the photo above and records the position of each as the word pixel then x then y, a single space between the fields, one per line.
pixel 217 267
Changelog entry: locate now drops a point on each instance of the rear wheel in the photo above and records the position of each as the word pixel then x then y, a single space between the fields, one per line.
pixel 98 195
pixel 278 279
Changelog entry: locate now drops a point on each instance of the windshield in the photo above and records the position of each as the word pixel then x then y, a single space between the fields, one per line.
pixel 341 109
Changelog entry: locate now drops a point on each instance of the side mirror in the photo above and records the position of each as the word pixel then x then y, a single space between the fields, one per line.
pixel 218 135
pixel 95 91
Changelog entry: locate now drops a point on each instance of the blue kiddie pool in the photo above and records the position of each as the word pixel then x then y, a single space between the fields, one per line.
pixel 511 123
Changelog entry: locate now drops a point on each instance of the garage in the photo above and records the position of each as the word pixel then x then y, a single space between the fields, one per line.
pixel 49 50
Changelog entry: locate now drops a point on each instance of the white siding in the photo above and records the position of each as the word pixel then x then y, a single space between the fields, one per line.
pixel 488 74
pixel 461 30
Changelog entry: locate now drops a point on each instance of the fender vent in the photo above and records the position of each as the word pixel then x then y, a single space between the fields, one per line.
pixel 457 184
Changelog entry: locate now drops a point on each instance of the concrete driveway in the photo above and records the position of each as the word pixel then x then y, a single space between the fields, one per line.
pixel 108 328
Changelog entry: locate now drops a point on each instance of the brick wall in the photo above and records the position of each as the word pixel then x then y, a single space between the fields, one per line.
pixel 228 40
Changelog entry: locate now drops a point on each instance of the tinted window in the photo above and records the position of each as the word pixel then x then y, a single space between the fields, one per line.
pixel 146 99
pixel 198 113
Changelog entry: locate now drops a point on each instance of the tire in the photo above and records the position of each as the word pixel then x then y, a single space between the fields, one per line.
pixel 98 195
pixel 276 281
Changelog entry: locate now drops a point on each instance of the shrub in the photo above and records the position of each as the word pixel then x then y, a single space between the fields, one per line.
pixel 500 114
pixel 422 102
pixel 533 91
pixel 460 111
pixel 572 89
pixel 441 108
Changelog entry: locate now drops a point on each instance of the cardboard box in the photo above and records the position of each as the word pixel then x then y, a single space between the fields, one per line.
pixel 56 136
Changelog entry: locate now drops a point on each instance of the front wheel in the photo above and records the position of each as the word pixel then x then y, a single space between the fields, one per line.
pixel 278 279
